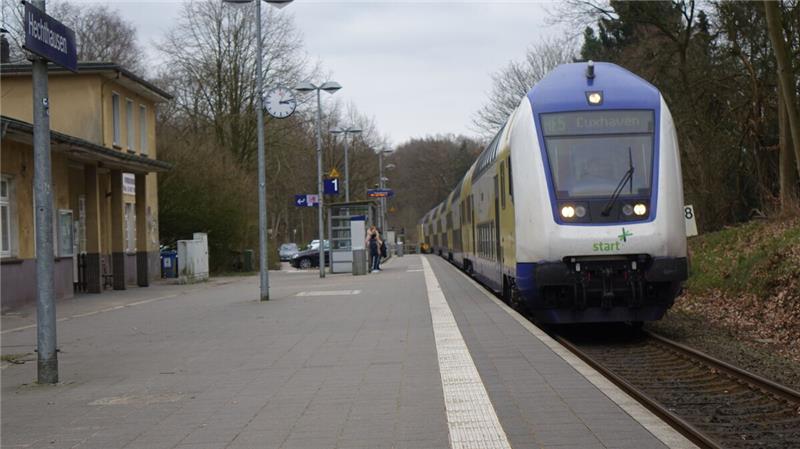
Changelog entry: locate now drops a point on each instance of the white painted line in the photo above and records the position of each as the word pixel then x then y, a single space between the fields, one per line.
pixel 414 271
pixel 637 411
pixel 94 312
pixel 471 418
pixel 330 293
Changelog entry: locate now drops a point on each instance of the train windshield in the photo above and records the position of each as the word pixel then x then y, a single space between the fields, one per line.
pixel 591 152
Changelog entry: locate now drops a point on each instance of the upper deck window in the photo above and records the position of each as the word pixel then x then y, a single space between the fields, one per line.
pixel 590 152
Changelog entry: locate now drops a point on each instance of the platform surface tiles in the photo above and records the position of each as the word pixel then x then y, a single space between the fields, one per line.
pixel 416 356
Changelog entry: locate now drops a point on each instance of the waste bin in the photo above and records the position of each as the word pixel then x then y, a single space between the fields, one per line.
pixel 169 264
pixel 247 262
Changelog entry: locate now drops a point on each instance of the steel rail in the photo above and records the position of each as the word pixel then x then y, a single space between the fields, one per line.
pixel 681 425
pixel 750 378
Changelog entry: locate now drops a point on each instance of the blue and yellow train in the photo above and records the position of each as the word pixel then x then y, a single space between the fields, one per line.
pixel 575 208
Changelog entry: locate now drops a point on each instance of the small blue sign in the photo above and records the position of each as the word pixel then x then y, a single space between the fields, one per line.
pixel 306 200
pixel 49 38
pixel 380 193
pixel 332 186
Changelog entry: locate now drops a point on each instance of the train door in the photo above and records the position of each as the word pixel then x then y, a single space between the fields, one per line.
pixel 472 219
pixel 498 247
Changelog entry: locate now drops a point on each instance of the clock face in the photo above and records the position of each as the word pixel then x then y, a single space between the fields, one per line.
pixel 279 102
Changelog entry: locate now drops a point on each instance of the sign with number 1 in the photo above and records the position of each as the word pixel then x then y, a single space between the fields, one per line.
pixel 332 186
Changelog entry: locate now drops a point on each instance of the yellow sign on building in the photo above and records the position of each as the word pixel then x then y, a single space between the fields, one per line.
pixel 334 173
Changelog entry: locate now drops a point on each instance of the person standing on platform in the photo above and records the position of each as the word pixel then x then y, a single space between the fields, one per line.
pixel 374 242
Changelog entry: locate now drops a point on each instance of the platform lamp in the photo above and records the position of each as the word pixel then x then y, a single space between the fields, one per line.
pixel 263 260
pixel 346 130
pixel 330 87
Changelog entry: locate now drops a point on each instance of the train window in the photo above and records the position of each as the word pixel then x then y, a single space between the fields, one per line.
pixel 589 152
pixel 503 185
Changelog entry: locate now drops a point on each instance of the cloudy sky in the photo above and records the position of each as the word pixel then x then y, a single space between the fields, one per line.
pixel 416 67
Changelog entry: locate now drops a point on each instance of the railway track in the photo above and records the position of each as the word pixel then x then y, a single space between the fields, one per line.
pixel 714 404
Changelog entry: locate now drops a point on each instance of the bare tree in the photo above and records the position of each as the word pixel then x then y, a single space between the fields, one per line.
pixel 101 34
pixel 514 81
pixel 786 76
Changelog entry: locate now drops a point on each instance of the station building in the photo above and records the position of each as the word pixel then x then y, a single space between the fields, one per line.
pixel 104 166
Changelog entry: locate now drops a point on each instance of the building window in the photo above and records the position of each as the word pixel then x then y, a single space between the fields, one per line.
pixel 143 129
pixel 130 228
pixel 129 123
pixel 115 117
pixel 66 238
pixel 7 237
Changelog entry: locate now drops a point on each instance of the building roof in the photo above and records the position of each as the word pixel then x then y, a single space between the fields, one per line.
pixel 125 76
pixel 83 149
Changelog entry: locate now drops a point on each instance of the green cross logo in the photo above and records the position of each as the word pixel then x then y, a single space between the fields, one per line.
pixel 625 234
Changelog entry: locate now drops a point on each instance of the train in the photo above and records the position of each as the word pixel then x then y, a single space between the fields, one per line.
pixel 574 210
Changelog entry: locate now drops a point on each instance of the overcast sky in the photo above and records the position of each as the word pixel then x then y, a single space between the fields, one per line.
pixel 417 68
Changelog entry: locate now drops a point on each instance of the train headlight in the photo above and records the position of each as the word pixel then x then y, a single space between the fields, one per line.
pixel 594 98
pixel 580 211
pixel 627 210
pixel 640 209
pixel 567 211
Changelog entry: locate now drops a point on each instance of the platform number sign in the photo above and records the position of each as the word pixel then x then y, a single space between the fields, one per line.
pixel 332 186
pixel 691 224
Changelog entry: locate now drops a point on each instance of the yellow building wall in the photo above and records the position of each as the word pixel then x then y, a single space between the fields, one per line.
pixel 73 103
pixel 16 160
pixel 108 89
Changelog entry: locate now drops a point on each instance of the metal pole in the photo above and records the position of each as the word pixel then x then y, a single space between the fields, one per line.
pixel 47 355
pixel 319 187
pixel 262 175
pixel 346 170
pixel 380 185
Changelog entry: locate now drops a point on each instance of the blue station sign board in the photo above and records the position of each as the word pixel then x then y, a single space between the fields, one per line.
pixel 380 193
pixel 49 38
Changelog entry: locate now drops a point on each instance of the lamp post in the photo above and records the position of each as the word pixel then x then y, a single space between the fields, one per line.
pixel 263 256
pixel 382 184
pixel 346 131
pixel 330 87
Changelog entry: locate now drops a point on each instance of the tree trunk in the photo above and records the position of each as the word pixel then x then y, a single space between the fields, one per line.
pixel 786 161
pixel 785 75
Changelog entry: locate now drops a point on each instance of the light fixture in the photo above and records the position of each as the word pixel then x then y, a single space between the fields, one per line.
pixel 567 211
pixel 594 98
pixel 627 210
pixel 640 209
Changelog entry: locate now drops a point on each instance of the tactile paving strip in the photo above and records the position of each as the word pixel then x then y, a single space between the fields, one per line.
pixel 471 418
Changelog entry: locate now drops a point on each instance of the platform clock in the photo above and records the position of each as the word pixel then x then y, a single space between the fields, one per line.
pixel 280 102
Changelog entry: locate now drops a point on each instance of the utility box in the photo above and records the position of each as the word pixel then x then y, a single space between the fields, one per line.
pixel 193 255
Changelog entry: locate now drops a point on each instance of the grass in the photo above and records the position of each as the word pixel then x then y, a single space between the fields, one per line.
pixel 14 358
pixel 754 257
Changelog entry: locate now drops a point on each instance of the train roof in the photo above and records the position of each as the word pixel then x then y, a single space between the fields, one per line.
pixel 567 86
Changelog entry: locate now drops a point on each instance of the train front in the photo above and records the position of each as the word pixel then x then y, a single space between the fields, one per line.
pixel 602 237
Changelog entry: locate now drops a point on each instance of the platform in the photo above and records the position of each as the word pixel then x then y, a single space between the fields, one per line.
pixel 416 356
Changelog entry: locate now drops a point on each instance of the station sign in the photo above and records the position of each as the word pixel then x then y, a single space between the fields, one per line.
pixel 49 38
pixel 332 186
pixel 380 193
pixel 310 200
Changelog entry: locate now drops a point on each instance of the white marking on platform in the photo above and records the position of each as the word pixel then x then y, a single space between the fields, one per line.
pixel 647 419
pixel 471 418
pixel 95 312
pixel 414 271
pixel 330 293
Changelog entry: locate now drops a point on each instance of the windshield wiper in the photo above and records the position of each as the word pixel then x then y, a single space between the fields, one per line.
pixel 628 176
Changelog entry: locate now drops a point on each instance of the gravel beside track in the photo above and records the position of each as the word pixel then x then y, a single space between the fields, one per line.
pixel 730 408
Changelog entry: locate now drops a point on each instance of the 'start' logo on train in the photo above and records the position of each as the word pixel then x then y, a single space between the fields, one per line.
pixel 613 246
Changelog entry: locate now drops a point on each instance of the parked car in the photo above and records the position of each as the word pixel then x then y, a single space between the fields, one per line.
pixel 309 257
pixel 287 250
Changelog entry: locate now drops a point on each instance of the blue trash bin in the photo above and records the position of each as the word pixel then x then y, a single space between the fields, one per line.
pixel 169 264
